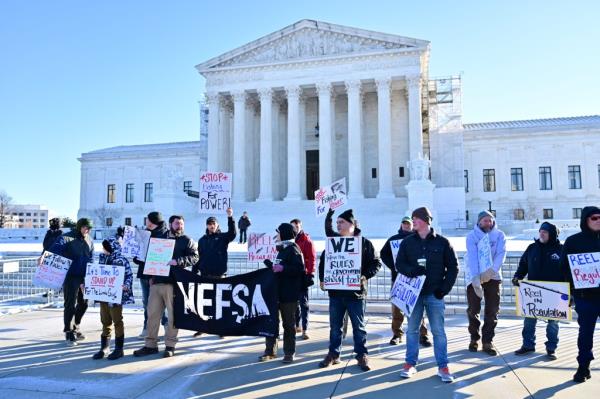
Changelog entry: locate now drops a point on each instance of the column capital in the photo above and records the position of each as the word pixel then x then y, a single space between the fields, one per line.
pixel 383 83
pixel 413 81
pixel 265 94
pixel 324 88
pixel 353 86
pixel 293 92
pixel 212 97
pixel 239 95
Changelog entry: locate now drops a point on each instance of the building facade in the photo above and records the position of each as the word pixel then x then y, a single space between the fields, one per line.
pixel 27 217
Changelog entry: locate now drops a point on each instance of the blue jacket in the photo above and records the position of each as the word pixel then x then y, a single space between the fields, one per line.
pixel 117 259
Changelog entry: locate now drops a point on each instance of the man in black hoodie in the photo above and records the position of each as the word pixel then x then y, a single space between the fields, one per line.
pixel 587 300
pixel 212 247
pixel 541 261
pixel 243 225
pixel 352 302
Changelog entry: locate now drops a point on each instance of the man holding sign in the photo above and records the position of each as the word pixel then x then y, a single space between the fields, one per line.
pixel 347 286
pixel 580 263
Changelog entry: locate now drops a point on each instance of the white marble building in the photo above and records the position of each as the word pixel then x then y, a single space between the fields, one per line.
pixel 315 102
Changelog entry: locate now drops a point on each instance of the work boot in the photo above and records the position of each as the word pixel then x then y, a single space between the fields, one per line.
pixel 583 373
pixel 424 341
pixel 118 352
pixel 169 351
pixel 145 351
pixel 489 349
pixel 523 351
pixel 473 346
pixel 396 339
pixel 363 362
pixel 330 359
pixel 104 347
pixel 288 359
pixel 551 355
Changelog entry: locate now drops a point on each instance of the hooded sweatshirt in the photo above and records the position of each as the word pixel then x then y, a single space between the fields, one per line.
pixel 542 261
pixel 116 258
pixel 498 250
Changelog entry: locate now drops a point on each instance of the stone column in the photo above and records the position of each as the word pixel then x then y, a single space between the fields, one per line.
pixel 293 143
pixel 302 116
pixel 415 126
pixel 213 155
pixel 266 144
pixel 224 164
pixel 384 126
pixel 325 134
pixel 239 145
pixel 355 162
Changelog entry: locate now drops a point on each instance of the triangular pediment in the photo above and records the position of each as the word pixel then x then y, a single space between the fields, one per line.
pixel 308 40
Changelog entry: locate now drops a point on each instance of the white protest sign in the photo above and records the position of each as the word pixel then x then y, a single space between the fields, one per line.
pixel 484 253
pixel 330 197
pixel 10 267
pixel 135 242
pixel 51 273
pixel 215 192
pixel 261 246
pixel 406 291
pixel 160 253
pixel 343 258
pixel 543 300
pixel 585 269
pixel 104 283
pixel 395 245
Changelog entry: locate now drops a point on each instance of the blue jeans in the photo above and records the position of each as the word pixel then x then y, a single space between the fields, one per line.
pixel 302 311
pixel 338 306
pixel 588 311
pixel 529 334
pixel 145 283
pixel 435 313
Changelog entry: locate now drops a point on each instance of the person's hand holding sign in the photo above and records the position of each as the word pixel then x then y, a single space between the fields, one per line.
pixel 172 262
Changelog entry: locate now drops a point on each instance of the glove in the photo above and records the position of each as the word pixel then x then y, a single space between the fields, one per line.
pixel 515 281
pixel 330 212
pixel 486 275
pixel 277 268
pixel 476 282
pixel 439 293
pixel 268 263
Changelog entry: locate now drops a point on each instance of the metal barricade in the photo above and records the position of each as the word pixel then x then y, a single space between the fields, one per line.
pixel 15 283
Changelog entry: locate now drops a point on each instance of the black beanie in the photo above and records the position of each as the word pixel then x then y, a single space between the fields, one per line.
pixel 83 222
pixel 106 245
pixel 155 218
pixel 212 219
pixel 286 231
pixel 423 213
pixel 348 216
pixel 551 229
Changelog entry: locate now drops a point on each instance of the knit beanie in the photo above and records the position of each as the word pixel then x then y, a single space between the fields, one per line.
pixel 423 213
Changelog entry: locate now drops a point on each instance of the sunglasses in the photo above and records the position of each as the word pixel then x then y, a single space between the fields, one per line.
pixel 595 218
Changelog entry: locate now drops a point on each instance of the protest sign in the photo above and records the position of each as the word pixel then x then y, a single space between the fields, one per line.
pixel 160 252
pixel 104 283
pixel 484 254
pixel 585 269
pixel 331 197
pixel 543 300
pixel 246 304
pixel 261 246
pixel 135 243
pixel 343 258
pixel 406 291
pixel 215 192
pixel 51 273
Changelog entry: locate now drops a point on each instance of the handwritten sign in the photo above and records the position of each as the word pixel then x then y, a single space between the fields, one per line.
pixel 543 300
pixel 343 257
pixel 104 283
pixel 51 273
pixel 585 269
pixel 10 267
pixel 406 291
pixel 261 246
pixel 331 197
pixel 395 245
pixel 160 252
pixel 135 243
pixel 484 253
pixel 215 192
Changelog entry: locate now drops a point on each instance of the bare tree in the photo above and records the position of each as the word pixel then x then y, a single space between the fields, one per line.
pixel 105 213
pixel 5 205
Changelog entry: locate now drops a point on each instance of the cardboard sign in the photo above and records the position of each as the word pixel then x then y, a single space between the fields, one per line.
pixel 343 258
pixel 395 245
pixel 261 246
pixel 484 254
pixel 331 197
pixel 543 300
pixel 52 272
pixel 135 243
pixel 215 192
pixel 585 269
pixel 10 267
pixel 160 252
pixel 104 283
pixel 406 291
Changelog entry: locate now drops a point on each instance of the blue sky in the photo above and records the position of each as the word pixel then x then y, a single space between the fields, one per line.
pixel 78 76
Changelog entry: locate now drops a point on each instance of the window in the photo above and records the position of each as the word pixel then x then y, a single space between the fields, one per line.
pixel 466 174
pixel 127 221
pixel 28 214
pixel 187 186
pixel 576 213
pixel 35 214
pixel 148 195
pixel 548 213
pixel 545 178
pixel 129 192
pixel 516 179
pixel 401 170
pixel 109 222
pixel 489 180
pixel 110 194
pixel 519 214
pixel 574 177
pixel 374 173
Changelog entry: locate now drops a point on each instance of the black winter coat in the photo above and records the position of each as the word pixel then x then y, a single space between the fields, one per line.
pixel 541 262
pixel 289 281
pixel 441 267
pixel 244 223
pixel 50 238
pixel 185 253
pixel 79 249
pixel 212 251
pixel 161 231
pixel 387 257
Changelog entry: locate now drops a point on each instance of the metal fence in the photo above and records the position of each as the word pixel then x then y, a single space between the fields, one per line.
pixel 17 287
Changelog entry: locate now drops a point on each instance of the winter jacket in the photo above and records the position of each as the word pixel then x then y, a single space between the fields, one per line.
pixel 289 281
pixel 161 231
pixel 441 267
pixel 541 261
pixel 212 251
pixel 387 256
pixel 244 223
pixel 50 238
pixel 498 247
pixel 116 258
pixel 308 251
pixel 185 253
pixel 77 248
pixel 586 241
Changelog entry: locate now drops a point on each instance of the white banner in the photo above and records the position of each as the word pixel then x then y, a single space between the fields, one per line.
pixel 215 192
pixel 330 197
pixel 406 291
pixel 585 269
pixel 261 246
pixel 135 243
pixel 343 259
pixel 160 253
pixel 52 272
pixel 543 300
pixel 104 283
